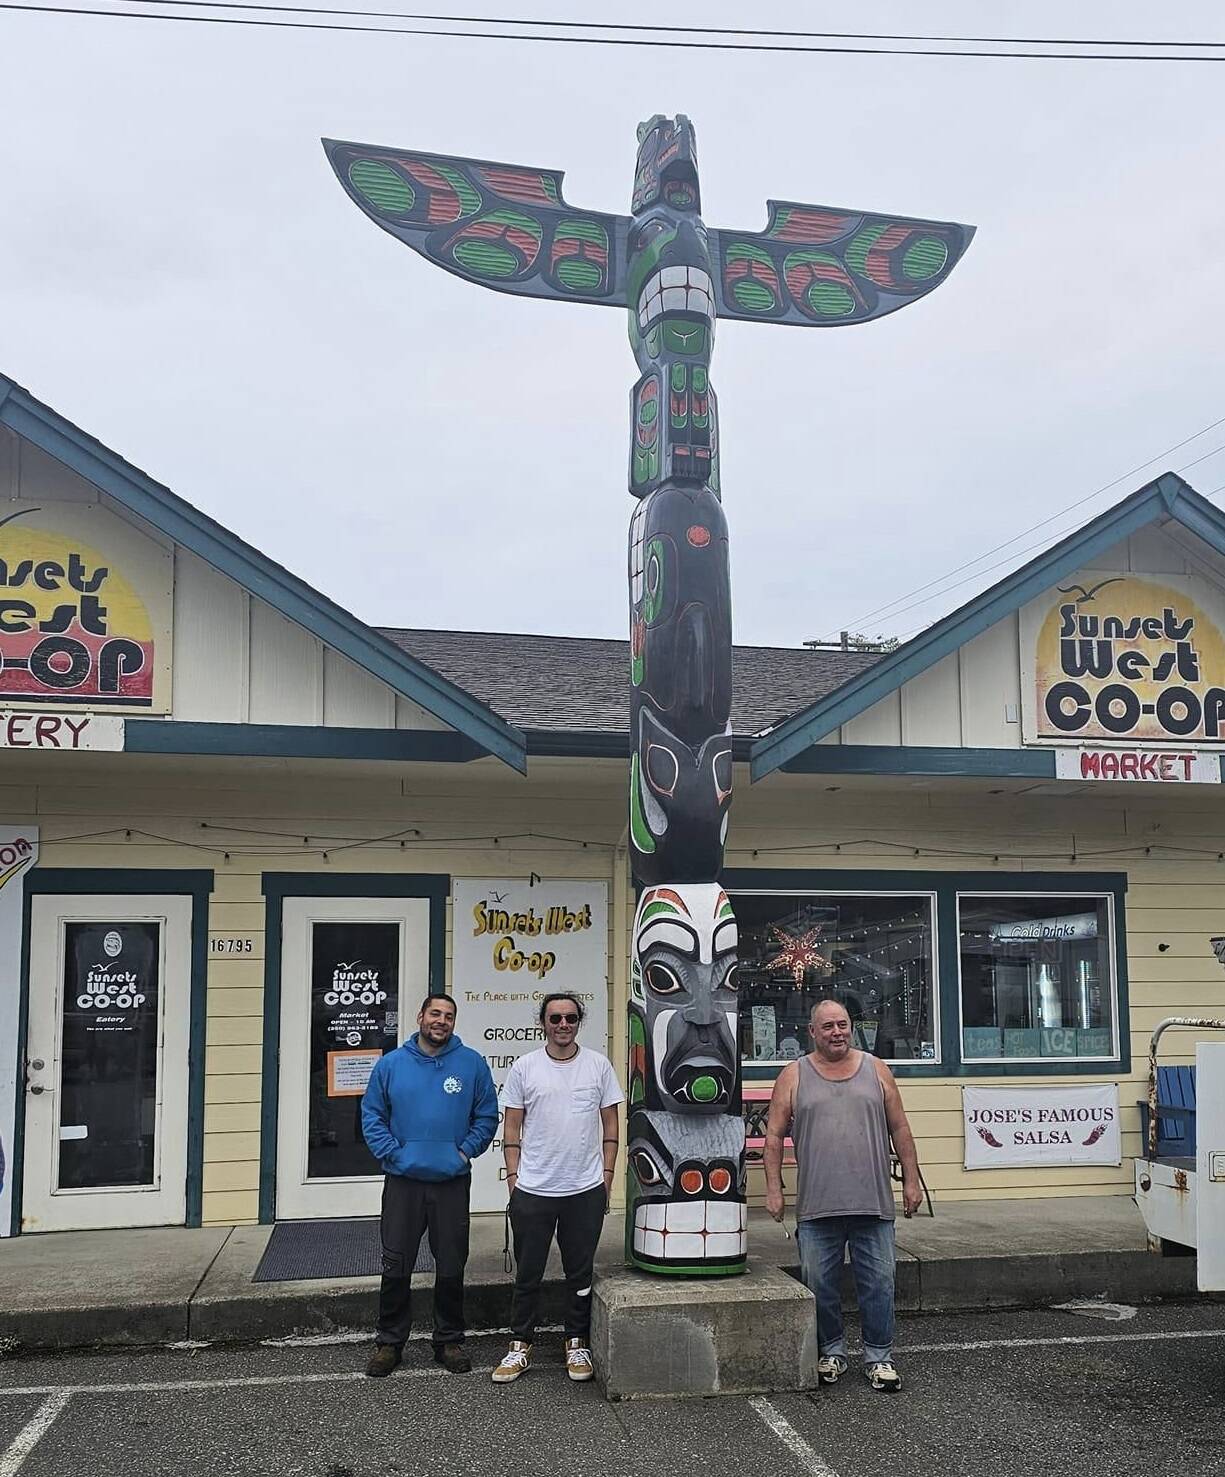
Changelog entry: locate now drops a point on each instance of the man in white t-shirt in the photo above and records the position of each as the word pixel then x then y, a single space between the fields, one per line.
pixel 559 1144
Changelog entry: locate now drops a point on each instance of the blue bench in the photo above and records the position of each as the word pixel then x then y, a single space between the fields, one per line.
pixel 1175 1113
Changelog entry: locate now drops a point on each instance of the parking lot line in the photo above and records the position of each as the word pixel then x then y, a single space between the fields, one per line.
pixel 33 1432
pixel 253 1382
pixel 791 1438
pixel 1063 1339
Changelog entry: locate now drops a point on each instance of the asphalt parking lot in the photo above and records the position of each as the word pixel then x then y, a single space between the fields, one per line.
pixel 1009 1394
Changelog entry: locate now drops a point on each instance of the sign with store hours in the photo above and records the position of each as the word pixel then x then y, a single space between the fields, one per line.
pixel 515 941
pixel 1125 659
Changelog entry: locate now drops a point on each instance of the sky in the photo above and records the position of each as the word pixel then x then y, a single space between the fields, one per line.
pixel 181 275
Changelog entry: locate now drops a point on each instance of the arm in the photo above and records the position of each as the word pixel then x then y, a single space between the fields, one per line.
pixel 611 1135
pixel 376 1121
pixel 512 1140
pixel 778 1122
pixel 484 1116
pixel 903 1140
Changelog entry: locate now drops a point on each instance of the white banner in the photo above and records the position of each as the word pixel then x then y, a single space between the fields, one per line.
pixel 1006 1127
pixel 513 943
pixel 1142 766
pixel 18 853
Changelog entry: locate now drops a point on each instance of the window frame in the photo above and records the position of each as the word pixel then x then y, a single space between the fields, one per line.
pixel 947 954
pixel 775 1065
pixel 1112 954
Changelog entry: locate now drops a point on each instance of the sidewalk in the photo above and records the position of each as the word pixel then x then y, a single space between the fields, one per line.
pixel 94 1288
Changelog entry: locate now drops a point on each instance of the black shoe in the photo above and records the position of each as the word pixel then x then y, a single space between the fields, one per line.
pixel 452 1357
pixel 382 1361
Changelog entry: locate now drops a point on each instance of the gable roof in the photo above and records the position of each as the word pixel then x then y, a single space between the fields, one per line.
pixel 293 598
pixel 1168 496
pixel 580 684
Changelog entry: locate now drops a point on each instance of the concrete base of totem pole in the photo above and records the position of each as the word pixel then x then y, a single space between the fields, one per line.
pixel 659 1336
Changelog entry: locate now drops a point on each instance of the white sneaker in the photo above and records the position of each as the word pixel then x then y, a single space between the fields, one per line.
pixel 831 1368
pixel 514 1362
pixel 578 1360
pixel 883 1376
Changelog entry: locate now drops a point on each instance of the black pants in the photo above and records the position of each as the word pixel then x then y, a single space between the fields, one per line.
pixel 411 1207
pixel 577 1221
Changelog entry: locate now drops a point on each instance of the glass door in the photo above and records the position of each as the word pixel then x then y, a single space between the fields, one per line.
pixel 106 1063
pixel 353 973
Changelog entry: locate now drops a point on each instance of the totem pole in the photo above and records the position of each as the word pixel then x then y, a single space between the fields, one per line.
pixel 508 227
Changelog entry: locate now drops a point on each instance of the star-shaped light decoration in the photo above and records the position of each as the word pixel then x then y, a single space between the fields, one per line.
pixel 797 952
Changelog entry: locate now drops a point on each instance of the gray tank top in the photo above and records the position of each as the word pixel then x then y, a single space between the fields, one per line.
pixel 841 1144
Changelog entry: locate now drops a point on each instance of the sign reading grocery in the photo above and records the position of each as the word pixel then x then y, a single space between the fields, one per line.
pixel 60 731
pixel 76 623
pixel 1125 658
pixel 1143 766
pixel 1006 1127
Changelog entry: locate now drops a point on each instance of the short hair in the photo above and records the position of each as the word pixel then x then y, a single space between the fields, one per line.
pixel 561 995
pixel 439 995
pixel 828 1000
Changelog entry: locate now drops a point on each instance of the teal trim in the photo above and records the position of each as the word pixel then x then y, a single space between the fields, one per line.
pixel 899 759
pixel 1167 496
pixel 291 741
pixel 135 491
pixel 276 887
pixel 196 883
pixel 945 886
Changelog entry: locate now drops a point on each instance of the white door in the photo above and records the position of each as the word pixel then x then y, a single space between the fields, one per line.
pixel 106 1063
pixel 353 973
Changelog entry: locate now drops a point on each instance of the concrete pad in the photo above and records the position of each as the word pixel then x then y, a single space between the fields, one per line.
pixel 965 1228
pixel 70 1289
pixel 653 1336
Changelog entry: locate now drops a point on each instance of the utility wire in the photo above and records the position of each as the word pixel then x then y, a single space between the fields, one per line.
pixel 473 35
pixel 752 32
pixel 888 608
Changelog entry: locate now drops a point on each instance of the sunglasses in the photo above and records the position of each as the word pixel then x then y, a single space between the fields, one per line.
pixel 571 1019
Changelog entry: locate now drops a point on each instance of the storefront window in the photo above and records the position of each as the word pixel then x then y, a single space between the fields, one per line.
pixel 872 953
pixel 1036 977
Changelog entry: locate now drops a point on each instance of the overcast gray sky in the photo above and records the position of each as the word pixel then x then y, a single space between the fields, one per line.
pixel 181 275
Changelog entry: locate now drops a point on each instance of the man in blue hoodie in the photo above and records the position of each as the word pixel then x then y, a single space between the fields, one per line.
pixel 430 1108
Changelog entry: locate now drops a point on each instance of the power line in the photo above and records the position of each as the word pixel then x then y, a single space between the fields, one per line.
pixel 888 608
pixel 753 31
pixel 473 35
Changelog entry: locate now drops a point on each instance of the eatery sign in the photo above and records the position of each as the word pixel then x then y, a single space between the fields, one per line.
pixel 1011 1127
pixel 1125 659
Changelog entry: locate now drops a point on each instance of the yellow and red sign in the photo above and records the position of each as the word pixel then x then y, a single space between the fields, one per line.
pixel 1126 659
pixel 75 628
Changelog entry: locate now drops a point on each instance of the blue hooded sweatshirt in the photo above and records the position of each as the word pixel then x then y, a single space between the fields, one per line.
pixel 420 1111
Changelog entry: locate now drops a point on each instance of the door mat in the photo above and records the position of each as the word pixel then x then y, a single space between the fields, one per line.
pixel 298 1250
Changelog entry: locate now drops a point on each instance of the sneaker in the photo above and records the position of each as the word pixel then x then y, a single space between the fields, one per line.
pixel 883 1376
pixel 453 1358
pixel 382 1361
pixel 578 1360
pixel 831 1368
pixel 514 1362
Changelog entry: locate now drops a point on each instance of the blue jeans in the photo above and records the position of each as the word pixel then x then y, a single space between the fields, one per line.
pixel 873 1259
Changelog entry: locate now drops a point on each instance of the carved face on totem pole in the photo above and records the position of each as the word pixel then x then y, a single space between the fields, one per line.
pixel 509 227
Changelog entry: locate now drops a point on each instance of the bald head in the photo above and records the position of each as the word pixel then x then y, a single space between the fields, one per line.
pixel 830 1029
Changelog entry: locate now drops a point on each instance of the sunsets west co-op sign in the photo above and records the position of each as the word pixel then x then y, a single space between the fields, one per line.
pixel 85 612
pixel 1124 659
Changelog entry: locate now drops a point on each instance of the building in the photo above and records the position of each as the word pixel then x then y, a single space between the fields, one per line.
pixel 243 833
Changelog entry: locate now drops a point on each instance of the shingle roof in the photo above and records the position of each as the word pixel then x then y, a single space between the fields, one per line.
pixel 580 684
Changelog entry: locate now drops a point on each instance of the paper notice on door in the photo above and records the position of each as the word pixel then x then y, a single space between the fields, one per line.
pixel 349 1072
pixel 74 1131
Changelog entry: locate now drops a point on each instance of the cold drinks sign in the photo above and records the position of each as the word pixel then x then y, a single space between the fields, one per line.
pixel 1126 660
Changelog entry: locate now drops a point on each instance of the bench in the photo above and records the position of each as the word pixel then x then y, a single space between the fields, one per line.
pixel 756 1111
pixel 1175 1113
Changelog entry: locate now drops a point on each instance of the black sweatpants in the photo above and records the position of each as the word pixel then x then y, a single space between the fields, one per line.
pixel 411 1207
pixel 577 1221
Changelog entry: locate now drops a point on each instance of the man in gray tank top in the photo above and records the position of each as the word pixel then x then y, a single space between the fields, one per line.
pixel 842 1108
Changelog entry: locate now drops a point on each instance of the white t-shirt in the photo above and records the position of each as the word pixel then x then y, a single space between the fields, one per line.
pixel 561 1152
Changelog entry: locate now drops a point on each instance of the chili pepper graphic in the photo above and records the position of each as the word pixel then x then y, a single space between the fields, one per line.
pixel 1096 1134
pixel 988 1137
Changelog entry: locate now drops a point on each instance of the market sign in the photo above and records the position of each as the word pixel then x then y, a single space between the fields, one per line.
pixel 1010 1127
pixel 84 611
pixel 1125 658
pixel 514 941
pixel 1142 766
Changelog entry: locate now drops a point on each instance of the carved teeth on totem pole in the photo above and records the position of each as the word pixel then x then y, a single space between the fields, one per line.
pixel 509 227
